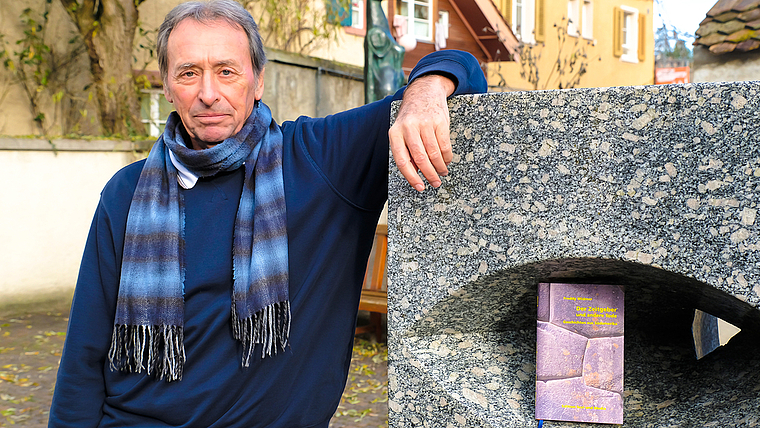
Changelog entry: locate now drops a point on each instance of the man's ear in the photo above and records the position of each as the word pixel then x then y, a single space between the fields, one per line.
pixel 167 94
pixel 259 91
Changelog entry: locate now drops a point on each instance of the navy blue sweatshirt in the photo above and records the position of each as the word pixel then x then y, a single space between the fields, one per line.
pixel 336 182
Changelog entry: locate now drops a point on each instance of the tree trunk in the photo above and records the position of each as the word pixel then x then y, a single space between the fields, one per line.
pixel 108 30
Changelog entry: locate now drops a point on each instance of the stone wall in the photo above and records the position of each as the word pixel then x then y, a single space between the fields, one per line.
pixel 654 188
pixel 296 85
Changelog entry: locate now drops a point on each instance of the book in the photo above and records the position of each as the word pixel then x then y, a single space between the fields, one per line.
pixel 579 353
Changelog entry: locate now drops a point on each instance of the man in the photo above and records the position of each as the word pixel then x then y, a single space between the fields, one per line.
pixel 220 282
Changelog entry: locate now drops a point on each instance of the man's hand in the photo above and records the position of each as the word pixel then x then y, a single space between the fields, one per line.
pixel 419 138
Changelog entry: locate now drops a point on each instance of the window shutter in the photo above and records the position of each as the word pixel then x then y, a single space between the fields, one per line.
pixel 642 37
pixel 617 32
pixel 540 27
pixel 506 10
pixel 337 12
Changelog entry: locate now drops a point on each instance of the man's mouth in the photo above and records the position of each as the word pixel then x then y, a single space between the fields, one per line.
pixel 211 118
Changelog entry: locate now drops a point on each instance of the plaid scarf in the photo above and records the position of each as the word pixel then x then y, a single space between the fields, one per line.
pixel 148 327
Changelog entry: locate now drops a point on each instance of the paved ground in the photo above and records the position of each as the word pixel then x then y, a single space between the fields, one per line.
pixel 30 349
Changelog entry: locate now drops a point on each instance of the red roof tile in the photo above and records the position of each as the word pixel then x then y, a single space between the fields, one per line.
pixel 745 5
pixel 723 48
pixel 749 15
pixel 740 36
pixel 712 39
pixel 731 26
pixel 748 45
pixel 754 24
pixel 722 6
pixel 726 16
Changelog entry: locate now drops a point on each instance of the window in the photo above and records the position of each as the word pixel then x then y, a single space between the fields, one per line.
pixel 526 18
pixel 630 34
pixel 573 18
pixel 419 17
pixel 628 38
pixel 518 13
pixel 587 19
pixel 154 109
pixel 442 30
pixel 523 20
pixel 357 14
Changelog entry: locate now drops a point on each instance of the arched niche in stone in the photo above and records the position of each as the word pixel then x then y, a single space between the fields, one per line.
pixel 473 352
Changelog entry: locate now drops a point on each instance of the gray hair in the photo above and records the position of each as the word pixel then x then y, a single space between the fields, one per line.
pixel 206 12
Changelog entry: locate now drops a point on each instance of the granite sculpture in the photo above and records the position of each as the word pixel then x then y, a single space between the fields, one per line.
pixel 653 188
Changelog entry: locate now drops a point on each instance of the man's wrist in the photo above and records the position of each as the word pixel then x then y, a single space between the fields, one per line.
pixel 436 80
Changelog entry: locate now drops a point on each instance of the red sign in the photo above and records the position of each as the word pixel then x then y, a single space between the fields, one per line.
pixel 663 76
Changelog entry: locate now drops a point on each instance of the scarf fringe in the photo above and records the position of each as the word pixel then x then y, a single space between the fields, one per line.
pixel 155 349
pixel 269 327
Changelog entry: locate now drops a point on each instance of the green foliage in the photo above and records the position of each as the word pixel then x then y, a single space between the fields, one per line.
pixel 146 44
pixel 297 25
pixel 36 66
pixel 30 63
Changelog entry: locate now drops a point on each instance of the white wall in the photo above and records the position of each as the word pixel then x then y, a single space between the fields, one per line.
pixel 46 207
pixel 731 71
pixel 729 67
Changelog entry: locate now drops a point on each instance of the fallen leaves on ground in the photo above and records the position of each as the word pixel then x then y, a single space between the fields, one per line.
pixel 364 399
pixel 29 361
pixel 31 351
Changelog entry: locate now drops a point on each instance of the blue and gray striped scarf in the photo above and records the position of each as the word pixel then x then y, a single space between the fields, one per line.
pixel 148 329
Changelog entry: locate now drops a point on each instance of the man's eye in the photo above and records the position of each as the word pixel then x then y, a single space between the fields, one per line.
pixel 226 72
pixel 188 74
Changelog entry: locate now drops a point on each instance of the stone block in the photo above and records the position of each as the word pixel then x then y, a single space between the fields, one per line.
pixel 589 404
pixel 561 354
pixel 603 363
pixel 653 188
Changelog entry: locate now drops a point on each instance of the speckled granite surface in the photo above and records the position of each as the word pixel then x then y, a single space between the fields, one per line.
pixel 653 188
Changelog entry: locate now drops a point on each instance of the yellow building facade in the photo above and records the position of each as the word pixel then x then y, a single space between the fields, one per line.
pixel 577 43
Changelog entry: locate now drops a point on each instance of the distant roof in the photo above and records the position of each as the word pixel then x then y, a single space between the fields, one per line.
pixel 731 26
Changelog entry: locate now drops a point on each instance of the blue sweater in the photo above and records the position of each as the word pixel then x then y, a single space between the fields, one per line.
pixel 335 172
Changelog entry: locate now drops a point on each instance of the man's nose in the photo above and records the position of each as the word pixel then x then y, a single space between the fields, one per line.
pixel 209 92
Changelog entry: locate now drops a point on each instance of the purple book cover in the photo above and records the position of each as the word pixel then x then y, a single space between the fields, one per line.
pixel 579 353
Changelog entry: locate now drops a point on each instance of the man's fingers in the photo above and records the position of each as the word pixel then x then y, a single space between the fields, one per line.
pixel 432 164
pixel 420 136
pixel 404 162
pixel 444 141
pixel 423 149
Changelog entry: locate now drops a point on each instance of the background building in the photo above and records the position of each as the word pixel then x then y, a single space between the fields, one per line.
pixel 728 43
pixel 577 43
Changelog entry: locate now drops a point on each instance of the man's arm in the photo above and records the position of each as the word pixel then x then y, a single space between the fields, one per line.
pixel 419 138
pixel 80 390
pixel 350 149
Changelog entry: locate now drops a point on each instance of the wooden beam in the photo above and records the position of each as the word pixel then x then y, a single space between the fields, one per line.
pixel 472 32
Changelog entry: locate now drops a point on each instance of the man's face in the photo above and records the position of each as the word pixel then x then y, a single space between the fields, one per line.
pixel 210 80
